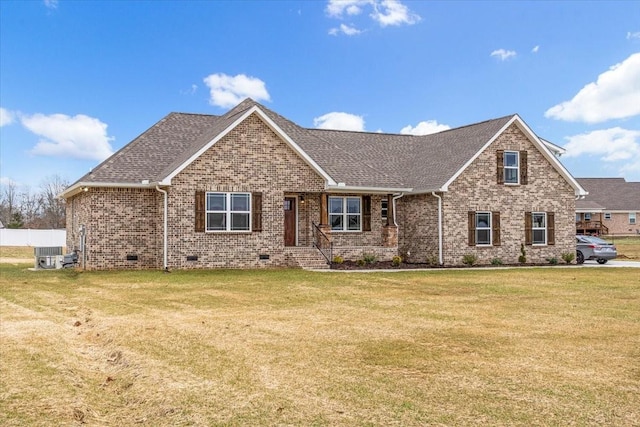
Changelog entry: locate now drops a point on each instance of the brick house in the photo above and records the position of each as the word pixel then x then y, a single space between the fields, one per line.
pixel 252 189
pixel 611 208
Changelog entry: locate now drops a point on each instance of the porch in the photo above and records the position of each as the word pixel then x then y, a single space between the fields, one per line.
pixel 332 225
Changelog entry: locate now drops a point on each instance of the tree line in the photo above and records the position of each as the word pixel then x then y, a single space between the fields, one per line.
pixel 22 207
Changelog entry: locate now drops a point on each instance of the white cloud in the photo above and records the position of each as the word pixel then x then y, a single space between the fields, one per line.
pixel 6 117
pixel 345 29
pixel 228 91
pixel 384 12
pixel 51 4
pixel 631 35
pixel 503 54
pixel 614 145
pixel 615 95
pixel 337 8
pixel 424 128
pixel 535 49
pixel 81 136
pixel 340 121
pixel 392 12
pixel 190 91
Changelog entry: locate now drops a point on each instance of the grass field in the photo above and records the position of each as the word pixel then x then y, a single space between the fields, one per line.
pixel 548 346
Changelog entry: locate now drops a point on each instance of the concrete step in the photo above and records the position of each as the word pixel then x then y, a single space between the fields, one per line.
pixel 308 258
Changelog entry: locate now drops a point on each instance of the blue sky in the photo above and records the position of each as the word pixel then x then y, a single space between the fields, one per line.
pixel 79 80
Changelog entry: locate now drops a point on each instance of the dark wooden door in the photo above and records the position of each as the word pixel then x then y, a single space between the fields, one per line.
pixel 289 221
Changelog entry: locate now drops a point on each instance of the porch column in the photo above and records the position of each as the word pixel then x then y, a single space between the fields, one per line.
pixel 390 231
pixel 324 211
pixel 324 216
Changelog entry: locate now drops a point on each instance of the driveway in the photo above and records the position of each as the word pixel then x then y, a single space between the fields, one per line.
pixel 613 263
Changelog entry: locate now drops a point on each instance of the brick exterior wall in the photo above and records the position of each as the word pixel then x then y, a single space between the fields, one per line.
pixel 417 217
pixel 476 189
pixel 619 223
pixel 118 222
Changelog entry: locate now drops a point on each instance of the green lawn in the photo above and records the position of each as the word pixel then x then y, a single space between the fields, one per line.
pixel 543 346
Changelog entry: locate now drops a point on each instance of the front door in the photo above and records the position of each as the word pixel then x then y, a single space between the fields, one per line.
pixel 289 221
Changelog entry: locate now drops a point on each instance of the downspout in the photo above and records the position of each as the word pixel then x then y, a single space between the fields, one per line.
pixel 164 237
pixel 440 260
pixel 393 202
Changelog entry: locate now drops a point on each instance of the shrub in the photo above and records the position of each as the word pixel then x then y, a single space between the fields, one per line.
pixel 338 259
pixel 360 262
pixel 552 261
pixel 369 258
pixel 469 259
pixel 396 260
pixel 523 255
pixel 568 257
pixel 496 261
pixel 432 260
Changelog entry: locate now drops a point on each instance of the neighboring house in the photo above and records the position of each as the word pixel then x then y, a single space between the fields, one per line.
pixel 612 207
pixel 252 189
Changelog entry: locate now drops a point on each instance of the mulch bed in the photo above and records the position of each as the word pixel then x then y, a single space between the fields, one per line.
pixel 388 265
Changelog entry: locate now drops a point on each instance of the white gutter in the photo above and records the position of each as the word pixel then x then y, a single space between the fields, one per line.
pixel 440 260
pixel 164 238
pixel 84 186
pixel 393 202
pixel 341 188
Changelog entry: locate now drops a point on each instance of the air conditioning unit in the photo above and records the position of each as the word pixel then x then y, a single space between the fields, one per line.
pixel 48 258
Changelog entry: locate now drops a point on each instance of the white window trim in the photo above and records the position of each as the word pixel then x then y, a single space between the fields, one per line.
pixel 632 218
pixel 516 167
pixel 534 229
pixel 607 215
pixel 227 212
pixel 344 214
pixel 587 216
pixel 490 228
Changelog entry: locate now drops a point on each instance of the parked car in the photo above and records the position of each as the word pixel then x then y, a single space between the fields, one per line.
pixel 591 247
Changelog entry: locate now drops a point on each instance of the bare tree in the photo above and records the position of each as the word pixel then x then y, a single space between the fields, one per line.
pixel 52 207
pixel 30 205
pixel 8 201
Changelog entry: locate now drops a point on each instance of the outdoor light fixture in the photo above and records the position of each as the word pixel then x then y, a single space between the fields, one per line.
pixel 302 200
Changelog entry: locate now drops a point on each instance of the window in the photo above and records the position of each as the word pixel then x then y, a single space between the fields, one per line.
pixel 345 213
pixel 228 211
pixel 587 217
pixel 607 215
pixel 578 217
pixel 484 228
pixel 511 167
pixel 539 228
pixel 384 209
pixel 632 218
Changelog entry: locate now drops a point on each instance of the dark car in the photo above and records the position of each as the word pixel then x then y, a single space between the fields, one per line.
pixel 591 247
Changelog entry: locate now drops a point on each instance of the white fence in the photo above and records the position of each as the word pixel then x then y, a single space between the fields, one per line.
pixel 28 237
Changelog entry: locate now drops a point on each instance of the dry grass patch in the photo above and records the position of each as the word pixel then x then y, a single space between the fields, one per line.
pixel 628 247
pixel 506 347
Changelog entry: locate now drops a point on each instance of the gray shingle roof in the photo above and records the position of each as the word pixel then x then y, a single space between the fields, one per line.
pixel 358 159
pixel 614 194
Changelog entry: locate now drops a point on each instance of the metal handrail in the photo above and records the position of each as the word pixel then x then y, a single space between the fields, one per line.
pixel 322 242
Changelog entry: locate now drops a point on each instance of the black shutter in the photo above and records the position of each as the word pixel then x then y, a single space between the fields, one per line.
pixel 528 229
pixel 500 166
pixel 551 228
pixel 495 228
pixel 366 213
pixel 472 228
pixel 256 211
pixel 524 177
pixel 200 211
